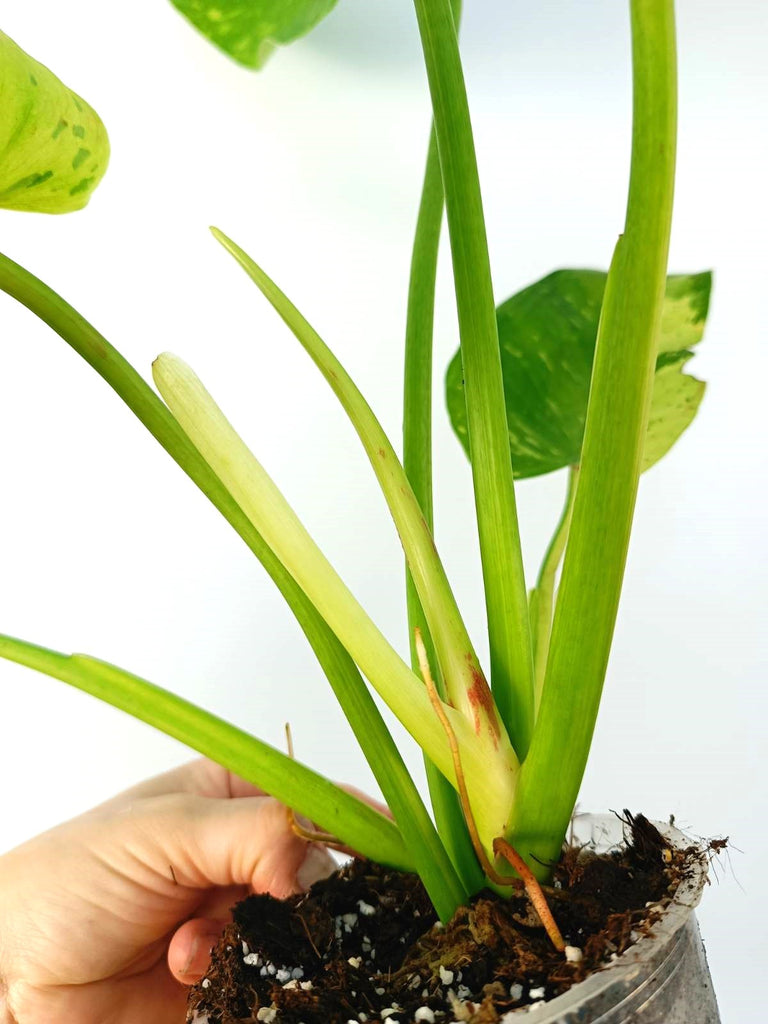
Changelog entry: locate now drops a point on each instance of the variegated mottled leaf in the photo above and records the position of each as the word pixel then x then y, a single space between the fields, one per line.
pixel 547 336
pixel 53 145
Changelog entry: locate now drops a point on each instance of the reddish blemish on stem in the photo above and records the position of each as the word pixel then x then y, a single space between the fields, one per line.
pixel 481 701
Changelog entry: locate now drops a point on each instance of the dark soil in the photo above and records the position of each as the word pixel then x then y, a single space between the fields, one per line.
pixel 364 945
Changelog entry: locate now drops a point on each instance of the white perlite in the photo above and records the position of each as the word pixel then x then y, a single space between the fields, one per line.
pixel 252 959
pixel 537 993
pixel 446 976
pixel 206 982
pixel 424 1013
pixel 355 961
pixel 283 975
pixel 266 1014
pixel 366 909
pixel 516 991
pixel 573 954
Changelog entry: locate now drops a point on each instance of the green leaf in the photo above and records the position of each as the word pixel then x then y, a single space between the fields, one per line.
pixel 53 147
pixel 249 31
pixel 684 313
pixel 354 822
pixel 675 402
pixel 547 337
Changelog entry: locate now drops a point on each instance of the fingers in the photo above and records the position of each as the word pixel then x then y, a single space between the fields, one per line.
pixel 201 777
pixel 189 952
pixel 213 843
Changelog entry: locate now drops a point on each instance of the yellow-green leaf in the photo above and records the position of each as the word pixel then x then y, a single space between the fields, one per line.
pixel 53 146
pixel 250 31
pixel 675 402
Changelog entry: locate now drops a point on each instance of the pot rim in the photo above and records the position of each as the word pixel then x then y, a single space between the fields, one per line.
pixel 602 832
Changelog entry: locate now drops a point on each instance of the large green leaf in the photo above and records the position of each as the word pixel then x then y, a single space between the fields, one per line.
pixel 249 30
pixel 547 337
pixel 53 146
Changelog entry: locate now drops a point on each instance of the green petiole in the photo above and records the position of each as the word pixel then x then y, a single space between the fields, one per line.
pixel 612 454
pixel 465 685
pixel 417 463
pixel 501 555
pixel 359 707
pixel 354 822
pixel 491 768
pixel 542 599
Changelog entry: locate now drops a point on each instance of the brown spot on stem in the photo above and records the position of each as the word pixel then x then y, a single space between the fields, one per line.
pixel 481 700
pixel 382 453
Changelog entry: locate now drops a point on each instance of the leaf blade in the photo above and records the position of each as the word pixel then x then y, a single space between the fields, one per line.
pixel 249 32
pixel 547 335
pixel 54 148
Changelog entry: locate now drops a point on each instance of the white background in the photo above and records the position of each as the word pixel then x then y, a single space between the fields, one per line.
pixel 314 166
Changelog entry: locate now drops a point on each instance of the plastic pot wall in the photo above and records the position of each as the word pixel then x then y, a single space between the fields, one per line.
pixel 663 978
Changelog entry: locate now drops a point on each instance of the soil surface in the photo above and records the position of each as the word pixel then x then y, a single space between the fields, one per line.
pixel 364 945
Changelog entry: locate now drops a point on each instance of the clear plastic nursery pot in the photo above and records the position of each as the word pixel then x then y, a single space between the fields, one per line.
pixel 663 978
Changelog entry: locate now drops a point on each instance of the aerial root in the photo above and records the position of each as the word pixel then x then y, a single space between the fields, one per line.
pixel 310 835
pixel 535 893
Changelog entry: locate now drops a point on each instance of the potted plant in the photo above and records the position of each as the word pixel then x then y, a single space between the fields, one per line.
pixel 505 754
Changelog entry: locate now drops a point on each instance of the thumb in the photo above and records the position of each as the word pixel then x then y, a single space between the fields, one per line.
pixel 242 841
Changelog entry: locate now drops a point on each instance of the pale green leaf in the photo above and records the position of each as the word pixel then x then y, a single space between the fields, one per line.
pixel 684 313
pixel 249 30
pixel 547 336
pixel 53 146
pixel 675 402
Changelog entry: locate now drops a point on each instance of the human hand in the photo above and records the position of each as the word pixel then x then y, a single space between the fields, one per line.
pixel 108 916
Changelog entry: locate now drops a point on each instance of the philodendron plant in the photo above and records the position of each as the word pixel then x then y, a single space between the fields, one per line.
pixel 582 369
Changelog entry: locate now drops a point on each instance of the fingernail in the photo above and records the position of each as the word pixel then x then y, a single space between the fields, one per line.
pixel 200 953
pixel 317 864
